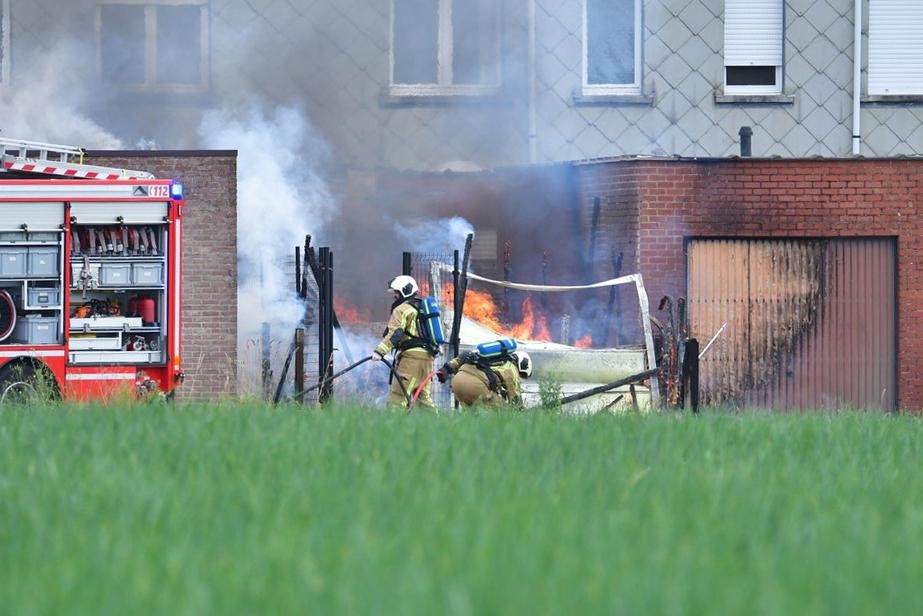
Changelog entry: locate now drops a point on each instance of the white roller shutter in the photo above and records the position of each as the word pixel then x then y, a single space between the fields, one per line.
pixel 36 216
pixel 895 47
pixel 147 212
pixel 753 32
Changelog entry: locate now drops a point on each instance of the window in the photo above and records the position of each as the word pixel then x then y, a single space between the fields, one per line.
pixel 611 47
pixel 4 43
pixel 895 47
pixel 753 46
pixel 444 47
pixel 153 45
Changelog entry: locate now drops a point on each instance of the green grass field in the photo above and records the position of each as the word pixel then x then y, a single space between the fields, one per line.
pixel 248 509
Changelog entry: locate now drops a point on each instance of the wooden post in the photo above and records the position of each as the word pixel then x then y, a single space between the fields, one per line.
pixel 299 364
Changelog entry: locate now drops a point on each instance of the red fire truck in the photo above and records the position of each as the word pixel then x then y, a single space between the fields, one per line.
pixel 90 284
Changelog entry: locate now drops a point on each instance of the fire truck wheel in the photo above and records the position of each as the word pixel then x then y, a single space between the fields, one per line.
pixel 26 383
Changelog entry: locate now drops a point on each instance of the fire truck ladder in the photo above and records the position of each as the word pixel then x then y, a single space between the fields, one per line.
pixel 61 160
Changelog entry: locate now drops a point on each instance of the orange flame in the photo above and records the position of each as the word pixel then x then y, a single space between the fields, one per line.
pixel 347 314
pixel 585 342
pixel 480 306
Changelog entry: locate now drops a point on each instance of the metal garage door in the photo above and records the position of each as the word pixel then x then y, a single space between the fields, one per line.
pixel 810 323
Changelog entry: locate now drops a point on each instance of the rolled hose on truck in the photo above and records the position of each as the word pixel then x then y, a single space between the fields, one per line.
pixel 7 315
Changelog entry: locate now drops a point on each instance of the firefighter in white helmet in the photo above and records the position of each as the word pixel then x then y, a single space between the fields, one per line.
pixel 414 361
pixel 489 382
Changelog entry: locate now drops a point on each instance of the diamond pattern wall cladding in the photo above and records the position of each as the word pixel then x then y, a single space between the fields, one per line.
pixel 332 57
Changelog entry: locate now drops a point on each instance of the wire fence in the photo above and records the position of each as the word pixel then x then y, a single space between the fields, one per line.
pixel 437 281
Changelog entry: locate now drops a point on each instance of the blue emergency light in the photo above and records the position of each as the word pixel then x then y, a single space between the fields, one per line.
pixel 176 191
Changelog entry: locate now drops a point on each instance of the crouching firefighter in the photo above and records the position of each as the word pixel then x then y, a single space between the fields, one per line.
pixel 415 353
pixel 490 376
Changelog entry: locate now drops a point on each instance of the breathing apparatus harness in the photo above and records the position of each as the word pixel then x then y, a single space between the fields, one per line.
pixel 403 340
pixel 485 365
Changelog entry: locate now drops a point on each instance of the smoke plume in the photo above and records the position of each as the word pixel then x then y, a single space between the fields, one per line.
pixel 279 195
pixel 47 107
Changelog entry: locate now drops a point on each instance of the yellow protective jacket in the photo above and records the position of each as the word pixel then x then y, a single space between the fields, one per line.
pixel 403 317
pixel 507 375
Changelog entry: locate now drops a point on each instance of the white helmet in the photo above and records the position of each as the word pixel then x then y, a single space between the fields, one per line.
pixel 524 363
pixel 405 285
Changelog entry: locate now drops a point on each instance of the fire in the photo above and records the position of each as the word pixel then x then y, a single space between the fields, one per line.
pixel 585 342
pixel 480 306
pixel 347 314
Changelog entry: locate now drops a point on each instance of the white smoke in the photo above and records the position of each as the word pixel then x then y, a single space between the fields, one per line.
pixel 279 195
pixel 46 107
pixel 435 236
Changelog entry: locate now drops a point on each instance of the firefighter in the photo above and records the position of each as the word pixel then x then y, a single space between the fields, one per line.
pixel 414 361
pixel 477 381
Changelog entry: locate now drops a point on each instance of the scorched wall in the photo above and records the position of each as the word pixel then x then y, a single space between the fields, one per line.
pixel 678 200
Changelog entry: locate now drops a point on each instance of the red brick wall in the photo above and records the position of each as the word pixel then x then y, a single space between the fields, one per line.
pixel 782 198
pixel 209 307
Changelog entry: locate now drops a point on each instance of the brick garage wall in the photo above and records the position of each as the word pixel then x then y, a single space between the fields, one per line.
pixel 209 307
pixel 786 198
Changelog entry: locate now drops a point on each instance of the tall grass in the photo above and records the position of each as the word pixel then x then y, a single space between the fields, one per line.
pixel 248 509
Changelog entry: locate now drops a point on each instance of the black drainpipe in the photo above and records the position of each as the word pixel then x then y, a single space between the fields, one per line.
pixel 745 133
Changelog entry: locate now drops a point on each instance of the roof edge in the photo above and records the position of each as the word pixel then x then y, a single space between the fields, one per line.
pixel 162 153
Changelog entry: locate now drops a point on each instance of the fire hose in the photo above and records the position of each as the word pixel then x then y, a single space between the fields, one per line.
pixel 416 394
pixel 330 378
pixel 336 375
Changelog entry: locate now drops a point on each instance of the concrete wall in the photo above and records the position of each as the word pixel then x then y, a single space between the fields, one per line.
pixel 209 308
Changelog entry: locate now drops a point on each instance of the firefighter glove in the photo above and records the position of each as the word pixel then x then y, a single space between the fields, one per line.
pixel 376 356
pixel 442 374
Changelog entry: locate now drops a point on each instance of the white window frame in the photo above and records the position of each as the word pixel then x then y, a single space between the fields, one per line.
pixel 150 83
pixel 745 90
pixel 612 89
pixel 444 61
pixel 5 45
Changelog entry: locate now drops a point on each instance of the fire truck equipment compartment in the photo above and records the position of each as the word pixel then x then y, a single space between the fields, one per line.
pixel 115 274
pixel 147 274
pixel 44 236
pixel 43 297
pixel 77 267
pixel 35 329
pixel 105 322
pixel 12 236
pixel 110 343
pixel 43 261
pixel 12 261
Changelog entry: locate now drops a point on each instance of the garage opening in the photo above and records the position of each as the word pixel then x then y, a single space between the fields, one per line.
pixel 810 322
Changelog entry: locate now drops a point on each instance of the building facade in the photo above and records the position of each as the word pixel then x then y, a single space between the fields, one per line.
pixel 450 84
